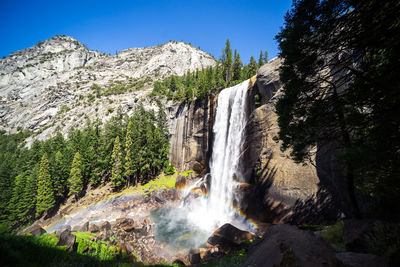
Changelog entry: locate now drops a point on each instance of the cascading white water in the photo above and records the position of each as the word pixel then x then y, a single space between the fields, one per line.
pixel 229 125
pixel 190 224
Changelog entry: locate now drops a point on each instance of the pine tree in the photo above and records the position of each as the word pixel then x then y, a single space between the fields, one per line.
pixel 45 194
pixel 129 168
pixel 261 59
pixel 75 180
pixel 116 162
pixel 59 177
pixel 226 60
pixel 252 68
pixel 265 57
pixel 237 67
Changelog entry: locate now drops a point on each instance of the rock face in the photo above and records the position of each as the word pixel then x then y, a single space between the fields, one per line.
pixel 34 229
pixel 351 259
pixel 54 82
pixel 191 139
pixel 67 239
pixel 228 236
pixel 287 190
pixel 286 245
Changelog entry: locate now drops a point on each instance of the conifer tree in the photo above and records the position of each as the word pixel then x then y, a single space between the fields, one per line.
pixel 45 194
pixel 226 60
pixel 261 59
pixel 58 176
pixel 129 168
pixel 75 180
pixel 116 162
pixel 237 67
pixel 252 68
pixel 265 57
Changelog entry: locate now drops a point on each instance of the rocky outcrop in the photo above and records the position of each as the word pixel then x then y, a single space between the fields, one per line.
pixel 61 83
pixel 228 236
pixel 286 245
pixel 191 137
pixel 285 190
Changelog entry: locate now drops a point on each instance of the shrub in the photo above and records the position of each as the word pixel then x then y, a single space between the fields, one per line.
pixel 170 169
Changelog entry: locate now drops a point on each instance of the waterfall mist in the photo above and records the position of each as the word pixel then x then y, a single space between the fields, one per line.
pixel 205 214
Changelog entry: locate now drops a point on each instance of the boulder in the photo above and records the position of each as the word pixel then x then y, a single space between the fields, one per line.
pixel 94 228
pixel 180 182
pixel 354 230
pixel 105 226
pixel 194 258
pixel 286 245
pixel 352 259
pixel 67 239
pixel 58 232
pixel 82 228
pixel 35 230
pixel 228 236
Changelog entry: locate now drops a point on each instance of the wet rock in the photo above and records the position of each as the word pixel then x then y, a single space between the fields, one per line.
pixel 229 236
pixel 35 230
pixel 286 245
pixel 94 228
pixel 180 182
pixel 351 259
pixel 67 239
pixel 82 228
pixel 199 167
pixel 58 232
pixel 194 258
pixel 105 226
pixel 120 221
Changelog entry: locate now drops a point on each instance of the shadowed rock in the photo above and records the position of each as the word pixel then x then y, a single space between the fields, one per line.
pixel 286 245
pixel 351 259
pixel 67 239
pixel 229 236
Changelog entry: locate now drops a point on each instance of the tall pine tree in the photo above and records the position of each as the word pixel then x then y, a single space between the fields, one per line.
pixel 45 194
pixel 75 180
pixel 226 60
pixel 129 164
pixel 116 162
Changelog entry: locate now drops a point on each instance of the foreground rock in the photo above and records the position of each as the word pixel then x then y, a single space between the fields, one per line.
pixel 286 245
pixel 67 239
pixel 35 230
pixel 351 259
pixel 228 236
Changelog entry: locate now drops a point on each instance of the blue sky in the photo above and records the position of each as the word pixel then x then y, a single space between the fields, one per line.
pixel 109 26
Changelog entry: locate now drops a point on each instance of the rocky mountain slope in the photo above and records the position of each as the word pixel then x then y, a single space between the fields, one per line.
pixel 61 83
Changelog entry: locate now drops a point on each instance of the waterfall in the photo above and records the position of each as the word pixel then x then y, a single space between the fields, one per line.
pixel 229 125
pixel 191 223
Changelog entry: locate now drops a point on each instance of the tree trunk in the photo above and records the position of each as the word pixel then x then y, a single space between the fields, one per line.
pixel 349 175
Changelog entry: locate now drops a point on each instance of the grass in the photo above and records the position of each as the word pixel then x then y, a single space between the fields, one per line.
pixel 162 182
pixel 334 235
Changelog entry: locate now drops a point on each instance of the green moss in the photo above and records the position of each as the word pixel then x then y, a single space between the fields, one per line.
pixel 187 173
pixel 334 235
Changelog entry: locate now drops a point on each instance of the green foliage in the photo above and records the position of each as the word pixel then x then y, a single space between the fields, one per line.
pixel 341 87
pixel 187 173
pixel 116 162
pixel 170 169
pixel 75 180
pixel 202 83
pixel 334 235
pixel 45 194
pixel 41 251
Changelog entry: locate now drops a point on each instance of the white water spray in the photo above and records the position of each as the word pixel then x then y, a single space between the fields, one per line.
pixel 229 126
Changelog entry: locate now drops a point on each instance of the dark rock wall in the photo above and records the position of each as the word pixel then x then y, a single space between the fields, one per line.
pixel 191 134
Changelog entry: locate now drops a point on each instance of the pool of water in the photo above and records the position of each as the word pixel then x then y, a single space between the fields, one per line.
pixel 173 228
